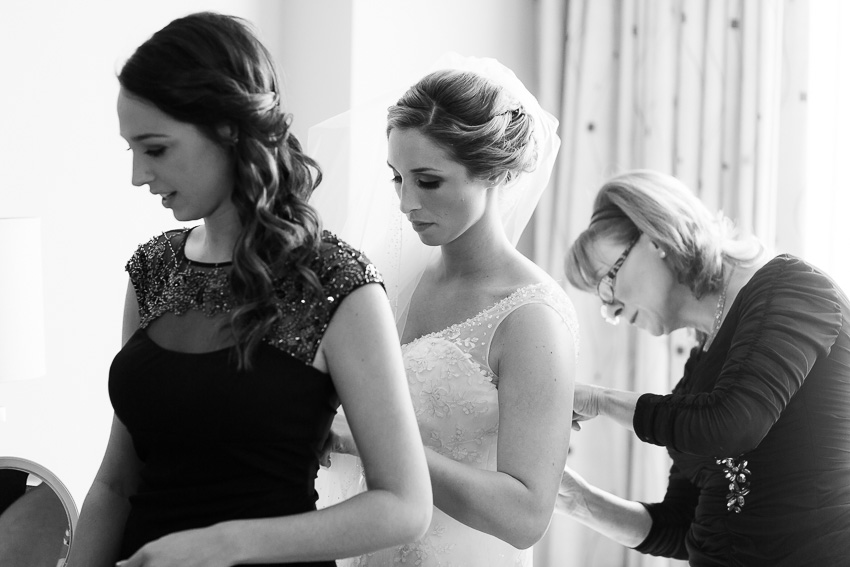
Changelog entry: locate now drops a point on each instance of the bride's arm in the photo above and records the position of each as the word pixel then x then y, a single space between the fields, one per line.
pixel 536 367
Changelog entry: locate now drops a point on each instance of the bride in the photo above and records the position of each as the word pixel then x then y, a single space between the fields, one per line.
pixel 489 339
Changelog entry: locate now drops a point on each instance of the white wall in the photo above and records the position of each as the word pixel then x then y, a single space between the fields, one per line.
pixel 61 159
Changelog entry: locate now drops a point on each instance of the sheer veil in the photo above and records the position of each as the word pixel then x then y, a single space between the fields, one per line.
pixel 357 201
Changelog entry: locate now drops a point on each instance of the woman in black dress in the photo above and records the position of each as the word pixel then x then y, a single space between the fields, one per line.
pixel 759 426
pixel 241 336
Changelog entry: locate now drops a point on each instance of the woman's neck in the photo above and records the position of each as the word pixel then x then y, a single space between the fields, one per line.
pixel 479 251
pixel 214 240
pixel 711 310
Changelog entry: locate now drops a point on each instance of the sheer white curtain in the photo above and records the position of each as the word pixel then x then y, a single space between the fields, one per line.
pixel 711 91
pixel 826 231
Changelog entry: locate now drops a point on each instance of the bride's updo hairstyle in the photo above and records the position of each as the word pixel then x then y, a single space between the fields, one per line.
pixel 211 71
pixel 476 122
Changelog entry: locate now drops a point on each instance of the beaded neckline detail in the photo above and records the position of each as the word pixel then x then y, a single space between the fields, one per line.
pixel 189 261
pixel 167 282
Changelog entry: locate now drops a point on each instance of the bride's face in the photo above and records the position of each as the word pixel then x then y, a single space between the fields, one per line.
pixel 435 192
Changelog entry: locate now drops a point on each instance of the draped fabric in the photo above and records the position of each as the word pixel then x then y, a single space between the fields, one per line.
pixel 710 91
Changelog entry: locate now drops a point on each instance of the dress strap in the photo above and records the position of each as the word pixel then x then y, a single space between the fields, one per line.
pixel 546 293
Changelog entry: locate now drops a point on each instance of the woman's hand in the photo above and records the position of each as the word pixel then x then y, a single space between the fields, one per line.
pixel 591 401
pixel 585 403
pixel 191 548
pixel 624 521
pixel 340 440
pixel 571 493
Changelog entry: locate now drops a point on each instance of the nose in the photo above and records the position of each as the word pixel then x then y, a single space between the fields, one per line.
pixel 141 172
pixel 611 312
pixel 408 200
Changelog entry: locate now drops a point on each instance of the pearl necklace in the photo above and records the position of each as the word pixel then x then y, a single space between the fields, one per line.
pixel 718 313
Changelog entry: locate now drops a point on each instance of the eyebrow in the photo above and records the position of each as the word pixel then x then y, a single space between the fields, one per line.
pixel 143 137
pixel 418 169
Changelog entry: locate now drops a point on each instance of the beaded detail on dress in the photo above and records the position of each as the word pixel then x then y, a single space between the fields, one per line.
pixel 737 473
pixel 167 282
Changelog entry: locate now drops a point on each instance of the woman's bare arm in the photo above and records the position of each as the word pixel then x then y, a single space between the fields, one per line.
pixel 536 368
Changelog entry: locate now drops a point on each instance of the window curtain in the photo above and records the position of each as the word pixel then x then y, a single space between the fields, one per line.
pixel 711 91
pixel 827 200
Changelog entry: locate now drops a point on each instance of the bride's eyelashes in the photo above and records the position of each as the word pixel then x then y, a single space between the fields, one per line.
pixel 421 183
pixel 430 184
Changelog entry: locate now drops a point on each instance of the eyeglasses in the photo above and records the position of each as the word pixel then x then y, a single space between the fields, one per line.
pixel 605 287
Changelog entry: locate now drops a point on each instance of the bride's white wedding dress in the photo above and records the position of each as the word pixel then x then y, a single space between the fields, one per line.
pixel 455 396
pixel 454 391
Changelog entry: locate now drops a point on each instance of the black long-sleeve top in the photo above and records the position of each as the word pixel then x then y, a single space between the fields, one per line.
pixel 773 391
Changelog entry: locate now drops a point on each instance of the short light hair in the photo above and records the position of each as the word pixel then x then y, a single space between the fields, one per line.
pixel 696 242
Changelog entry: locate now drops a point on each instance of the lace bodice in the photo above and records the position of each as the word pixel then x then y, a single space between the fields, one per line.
pixel 455 396
pixel 451 382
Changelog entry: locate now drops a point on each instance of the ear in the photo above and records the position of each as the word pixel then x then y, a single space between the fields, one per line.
pixel 228 131
pixel 498 179
pixel 660 250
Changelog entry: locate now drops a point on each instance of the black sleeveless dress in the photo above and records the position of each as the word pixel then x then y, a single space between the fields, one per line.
pixel 218 443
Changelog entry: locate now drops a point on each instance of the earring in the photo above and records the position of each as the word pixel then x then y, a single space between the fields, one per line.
pixel 662 253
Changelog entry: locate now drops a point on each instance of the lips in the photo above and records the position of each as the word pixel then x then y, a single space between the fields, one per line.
pixel 166 197
pixel 419 225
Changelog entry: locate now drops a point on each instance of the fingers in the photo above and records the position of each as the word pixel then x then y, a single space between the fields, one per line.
pixel 577 419
pixel 331 445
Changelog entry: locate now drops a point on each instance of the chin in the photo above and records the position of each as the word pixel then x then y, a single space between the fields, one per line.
pixel 658 332
pixel 429 240
pixel 183 216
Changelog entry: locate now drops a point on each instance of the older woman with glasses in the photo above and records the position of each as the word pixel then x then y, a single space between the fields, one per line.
pixel 758 428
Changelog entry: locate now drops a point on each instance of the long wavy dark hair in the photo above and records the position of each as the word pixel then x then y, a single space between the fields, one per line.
pixel 210 70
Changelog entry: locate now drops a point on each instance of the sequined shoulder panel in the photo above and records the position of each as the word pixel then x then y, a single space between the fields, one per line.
pixel 165 282
pixel 341 269
pixel 153 271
